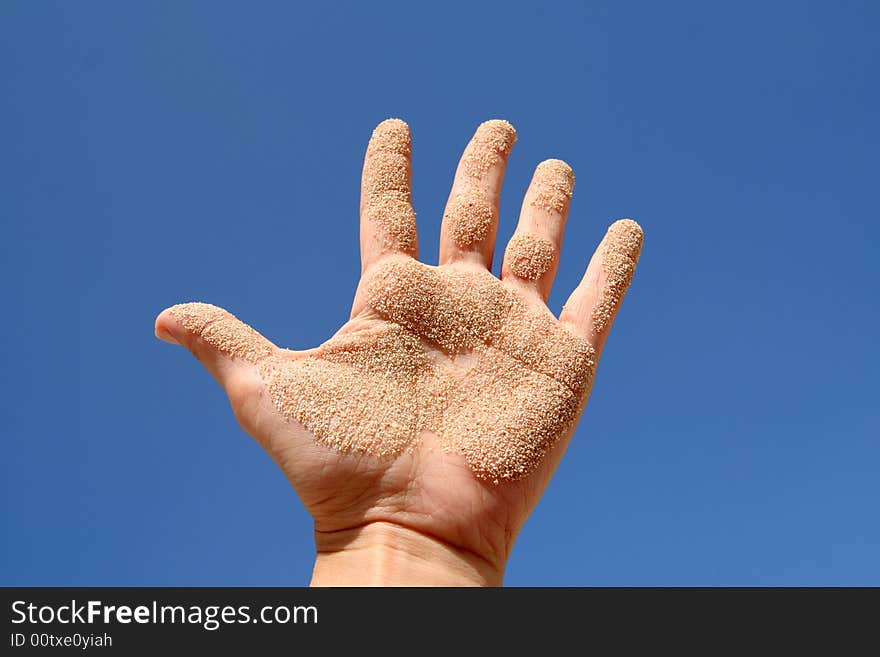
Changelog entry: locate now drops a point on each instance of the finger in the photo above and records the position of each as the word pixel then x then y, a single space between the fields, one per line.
pixel 591 308
pixel 532 255
pixel 220 341
pixel 388 222
pixel 470 221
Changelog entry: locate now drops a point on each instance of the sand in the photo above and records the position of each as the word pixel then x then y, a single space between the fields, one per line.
pixel 553 185
pixel 455 353
pixel 470 217
pixel 223 331
pixel 449 351
pixel 443 350
pixel 492 141
pixel 386 194
pixel 529 256
pixel 621 249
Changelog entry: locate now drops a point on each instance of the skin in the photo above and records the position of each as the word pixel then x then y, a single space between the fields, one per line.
pixel 422 517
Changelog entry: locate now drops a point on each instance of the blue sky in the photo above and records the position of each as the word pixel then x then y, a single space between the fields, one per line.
pixel 152 153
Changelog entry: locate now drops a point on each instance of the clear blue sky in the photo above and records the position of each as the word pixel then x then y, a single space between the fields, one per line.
pixel 157 152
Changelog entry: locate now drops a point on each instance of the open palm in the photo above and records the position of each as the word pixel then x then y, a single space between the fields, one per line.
pixel 429 425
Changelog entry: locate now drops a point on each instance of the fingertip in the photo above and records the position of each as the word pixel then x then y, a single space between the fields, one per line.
pixel 493 139
pixel 557 168
pixel 549 195
pixel 488 148
pixel 391 136
pixel 179 322
pixel 164 326
pixel 553 184
pixel 499 129
pixel 393 123
pixel 628 236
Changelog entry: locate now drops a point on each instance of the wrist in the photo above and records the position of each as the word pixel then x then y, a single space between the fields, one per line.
pixel 387 554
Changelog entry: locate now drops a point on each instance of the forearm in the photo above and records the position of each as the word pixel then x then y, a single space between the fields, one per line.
pixel 386 554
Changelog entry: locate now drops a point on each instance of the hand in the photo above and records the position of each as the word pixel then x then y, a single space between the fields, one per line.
pixel 423 433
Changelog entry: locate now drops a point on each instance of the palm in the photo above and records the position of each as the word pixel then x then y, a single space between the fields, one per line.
pixel 447 400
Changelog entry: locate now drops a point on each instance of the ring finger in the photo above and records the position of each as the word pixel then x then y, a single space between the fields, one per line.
pixel 532 255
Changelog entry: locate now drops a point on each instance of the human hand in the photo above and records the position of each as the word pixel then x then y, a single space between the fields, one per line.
pixel 423 433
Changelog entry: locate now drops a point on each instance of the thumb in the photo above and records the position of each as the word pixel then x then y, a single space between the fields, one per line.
pixel 219 340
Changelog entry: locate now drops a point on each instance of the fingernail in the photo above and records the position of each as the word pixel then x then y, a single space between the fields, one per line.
pixel 165 336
